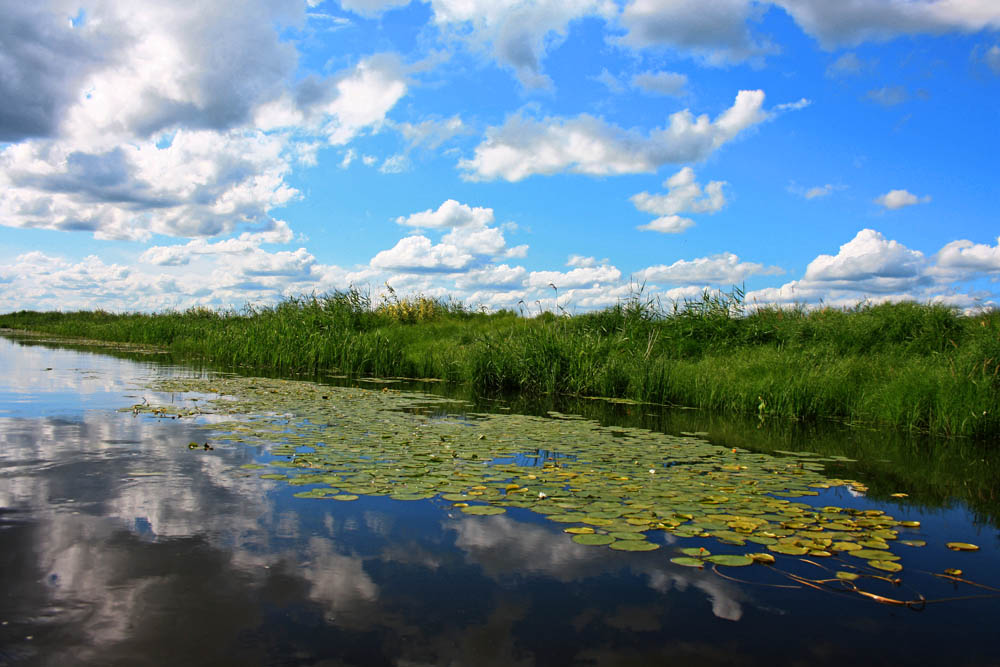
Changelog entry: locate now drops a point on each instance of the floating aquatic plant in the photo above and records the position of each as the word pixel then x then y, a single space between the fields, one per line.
pixel 615 486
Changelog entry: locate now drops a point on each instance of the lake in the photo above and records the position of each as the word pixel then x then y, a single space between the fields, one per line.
pixel 133 536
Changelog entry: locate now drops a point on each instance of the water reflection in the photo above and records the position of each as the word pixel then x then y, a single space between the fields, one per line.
pixel 120 545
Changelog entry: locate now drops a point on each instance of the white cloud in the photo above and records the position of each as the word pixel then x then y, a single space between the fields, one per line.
pixel 182 121
pixel 684 195
pixel 715 31
pixel 349 155
pixel 871 262
pixel 897 199
pixel 581 277
pixel 470 242
pixel 418 253
pixel 502 277
pixel 202 184
pixel 660 83
pixel 178 255
pixel 668 224
pixel 524 147
pixel 719 32
pixel 432 132
pixel 850 23
pixel 395 164
pixel 963 258
pixel 518 32
pixel 449 214
pixel 722 269
pixel 581 262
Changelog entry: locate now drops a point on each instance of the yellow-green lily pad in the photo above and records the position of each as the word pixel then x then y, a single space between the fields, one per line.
pixel 483 510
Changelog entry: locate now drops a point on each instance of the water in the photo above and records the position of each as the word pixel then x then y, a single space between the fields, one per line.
pixel 120 545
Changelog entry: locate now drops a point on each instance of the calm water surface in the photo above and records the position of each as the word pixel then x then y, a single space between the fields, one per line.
pixel 120 546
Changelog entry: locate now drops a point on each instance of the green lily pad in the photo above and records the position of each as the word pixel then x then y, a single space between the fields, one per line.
pixel 695 552
pixel 483 510
pixel 962 546
pixel 788 549
pixel 886 565
pixel 873 554
pixel 634 545
pixel 730 560
pixel 593 539
pixel 687 561
pixel 345 497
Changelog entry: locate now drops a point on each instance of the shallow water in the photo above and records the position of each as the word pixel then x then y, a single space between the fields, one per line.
pixel 120 545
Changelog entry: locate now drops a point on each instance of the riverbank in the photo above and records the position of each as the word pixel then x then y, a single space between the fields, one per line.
pixel 909 366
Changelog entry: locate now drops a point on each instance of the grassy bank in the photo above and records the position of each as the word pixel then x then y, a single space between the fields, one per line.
pixel 905 365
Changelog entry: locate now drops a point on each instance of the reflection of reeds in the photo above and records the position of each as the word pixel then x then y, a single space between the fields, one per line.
pixel 922 367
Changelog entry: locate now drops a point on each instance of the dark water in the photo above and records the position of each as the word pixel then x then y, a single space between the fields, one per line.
pixel 119 545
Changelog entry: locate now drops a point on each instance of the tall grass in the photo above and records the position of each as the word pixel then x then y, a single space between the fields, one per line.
pixel 919 367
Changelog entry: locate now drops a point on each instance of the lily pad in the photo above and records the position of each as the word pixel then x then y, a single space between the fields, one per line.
pixel 593 539
pixel 730 560
pixel 687 561
pixel 483 510
pixel 886 565
pixel 962 546
pixel 634 545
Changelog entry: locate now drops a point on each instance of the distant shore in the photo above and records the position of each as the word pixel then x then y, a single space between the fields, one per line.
pixel 905 365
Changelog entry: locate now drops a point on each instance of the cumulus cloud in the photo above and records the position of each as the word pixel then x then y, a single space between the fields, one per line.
pixel 870 262
pixel 720 32
pixel 517 32
pixel 716 31
pixel 523 147
pixel 185 123
pixel 581 277
pixel 470 242
pixel 46 60
pixel 579 261
pixel 449 214
pixel 964 259
pixel 851 23
pixel 179 255
pixel 501 277
pixel 873 268
pixel 722 269
pixel 684 195
pixel 897 199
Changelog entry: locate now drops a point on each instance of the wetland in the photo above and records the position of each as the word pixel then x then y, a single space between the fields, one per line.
pixel 156 511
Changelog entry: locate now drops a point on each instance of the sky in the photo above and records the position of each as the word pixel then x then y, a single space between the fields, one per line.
pixel 524 154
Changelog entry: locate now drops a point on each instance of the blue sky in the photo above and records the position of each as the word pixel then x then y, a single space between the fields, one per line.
pixel 168 155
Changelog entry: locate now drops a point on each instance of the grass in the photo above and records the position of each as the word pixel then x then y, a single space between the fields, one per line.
pixel 906 365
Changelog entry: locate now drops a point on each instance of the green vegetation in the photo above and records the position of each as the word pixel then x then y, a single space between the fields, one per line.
pixel 615 487
pixel 918 367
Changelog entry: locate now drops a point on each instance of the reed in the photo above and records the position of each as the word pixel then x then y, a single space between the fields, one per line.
pixel 912 366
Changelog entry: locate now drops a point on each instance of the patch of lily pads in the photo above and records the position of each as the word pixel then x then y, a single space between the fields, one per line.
pixel 612 486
